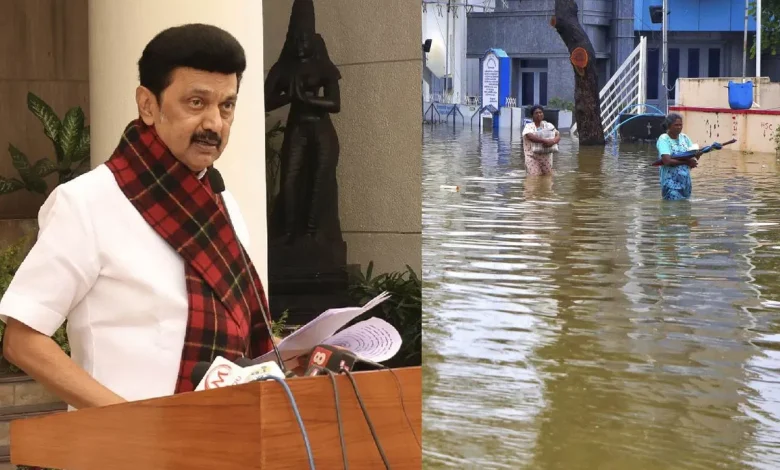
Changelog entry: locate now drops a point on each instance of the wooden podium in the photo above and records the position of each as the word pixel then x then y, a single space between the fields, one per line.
pixel 249 426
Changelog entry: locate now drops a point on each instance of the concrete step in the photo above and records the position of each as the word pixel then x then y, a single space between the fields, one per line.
pixel 21 397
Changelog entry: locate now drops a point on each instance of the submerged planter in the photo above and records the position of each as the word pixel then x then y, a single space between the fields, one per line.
pixel 564 120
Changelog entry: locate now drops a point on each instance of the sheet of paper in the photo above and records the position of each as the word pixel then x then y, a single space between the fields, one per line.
pixel 302 340
pixel 373 339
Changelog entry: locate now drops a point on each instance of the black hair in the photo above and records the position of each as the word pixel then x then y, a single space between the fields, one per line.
pixel 198 46
pixel 535 107
pixel 670 119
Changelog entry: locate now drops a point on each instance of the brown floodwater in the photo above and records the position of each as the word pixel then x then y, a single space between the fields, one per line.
pixel 580 322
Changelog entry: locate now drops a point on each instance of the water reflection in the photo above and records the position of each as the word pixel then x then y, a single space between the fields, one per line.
pixel 580 322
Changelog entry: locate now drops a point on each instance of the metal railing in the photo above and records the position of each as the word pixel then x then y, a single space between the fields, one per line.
pixel 625 89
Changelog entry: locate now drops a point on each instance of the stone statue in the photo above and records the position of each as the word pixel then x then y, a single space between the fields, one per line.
pixel 305 78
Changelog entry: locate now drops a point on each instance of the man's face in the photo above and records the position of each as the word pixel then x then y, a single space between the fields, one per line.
pixel 538 115
pixel 194 115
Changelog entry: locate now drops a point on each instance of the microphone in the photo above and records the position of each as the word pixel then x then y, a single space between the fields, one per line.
pixel 255 372
pixel 224 373
pixel 216 181
pixel 327 357
pixel 218 186
pixel 198 372
pixel 334 358
pixel 220 373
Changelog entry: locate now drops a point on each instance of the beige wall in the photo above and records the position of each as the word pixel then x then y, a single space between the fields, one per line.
pixel 376 44
pixel 43 49
pixel 754 132
pixel 714 93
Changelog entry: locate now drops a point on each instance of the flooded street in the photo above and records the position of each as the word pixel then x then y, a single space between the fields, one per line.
pixel 581 322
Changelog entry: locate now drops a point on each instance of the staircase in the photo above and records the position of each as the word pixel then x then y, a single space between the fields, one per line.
pixel 626 89
pixel 21 397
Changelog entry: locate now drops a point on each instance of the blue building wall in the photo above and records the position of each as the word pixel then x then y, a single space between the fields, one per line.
pixel 705 40
pixel 695 15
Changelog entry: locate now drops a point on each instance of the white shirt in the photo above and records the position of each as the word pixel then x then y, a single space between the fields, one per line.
pixel 98 264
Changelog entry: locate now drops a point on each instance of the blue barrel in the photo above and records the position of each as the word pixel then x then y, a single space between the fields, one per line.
pixel 741 95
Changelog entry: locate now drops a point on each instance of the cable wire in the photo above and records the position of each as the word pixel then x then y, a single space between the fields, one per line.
pixel 400 396
pixel 338 417
pixel 368 420
pixel 297 414
pixel 403 406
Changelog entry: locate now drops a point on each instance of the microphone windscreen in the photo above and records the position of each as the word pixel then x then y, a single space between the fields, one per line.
pixel 198 372
pixel 215 180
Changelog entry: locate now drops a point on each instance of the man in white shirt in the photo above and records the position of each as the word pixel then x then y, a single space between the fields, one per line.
pixel 139 255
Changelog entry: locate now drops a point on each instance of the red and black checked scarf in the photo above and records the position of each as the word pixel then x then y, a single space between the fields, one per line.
pixel 224 316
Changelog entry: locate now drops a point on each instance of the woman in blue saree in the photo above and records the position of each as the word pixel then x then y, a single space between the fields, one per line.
pixel 675 175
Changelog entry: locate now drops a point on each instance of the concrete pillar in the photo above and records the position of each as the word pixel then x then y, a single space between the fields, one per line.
pixel 458 66
pixel 118 32
pixel 622 33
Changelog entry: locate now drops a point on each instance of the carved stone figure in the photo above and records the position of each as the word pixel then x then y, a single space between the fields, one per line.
pixel 305 78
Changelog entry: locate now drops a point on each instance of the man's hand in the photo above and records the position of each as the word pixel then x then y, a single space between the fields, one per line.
pixel 43 360
pixel 693 162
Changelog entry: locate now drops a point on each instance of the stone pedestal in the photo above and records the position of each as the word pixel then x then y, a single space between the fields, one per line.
pixel 306 278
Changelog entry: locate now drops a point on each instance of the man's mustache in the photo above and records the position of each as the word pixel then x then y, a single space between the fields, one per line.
pixel 208 138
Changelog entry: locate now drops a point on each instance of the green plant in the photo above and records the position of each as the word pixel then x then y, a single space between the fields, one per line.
pixel 770 27
pixel 273 161
pixel 403 309
pixel 10 259
pixel 561 104
pixel 280 328
pixel 277 327
pixel 70 138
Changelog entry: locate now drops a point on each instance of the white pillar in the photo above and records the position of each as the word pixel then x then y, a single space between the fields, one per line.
pixel 458 66
pixel 118 33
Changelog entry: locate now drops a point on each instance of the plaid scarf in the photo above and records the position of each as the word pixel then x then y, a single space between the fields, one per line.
pixel 224 317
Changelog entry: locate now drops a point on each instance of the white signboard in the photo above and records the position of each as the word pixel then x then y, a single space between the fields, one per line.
pixel 489 82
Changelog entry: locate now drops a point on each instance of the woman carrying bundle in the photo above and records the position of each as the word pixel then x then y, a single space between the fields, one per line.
pixel 540 140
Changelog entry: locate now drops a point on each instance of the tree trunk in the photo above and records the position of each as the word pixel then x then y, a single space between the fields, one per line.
pixel 587 105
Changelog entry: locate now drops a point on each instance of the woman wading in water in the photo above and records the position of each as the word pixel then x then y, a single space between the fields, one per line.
pixel 537 146
pixel 675 175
